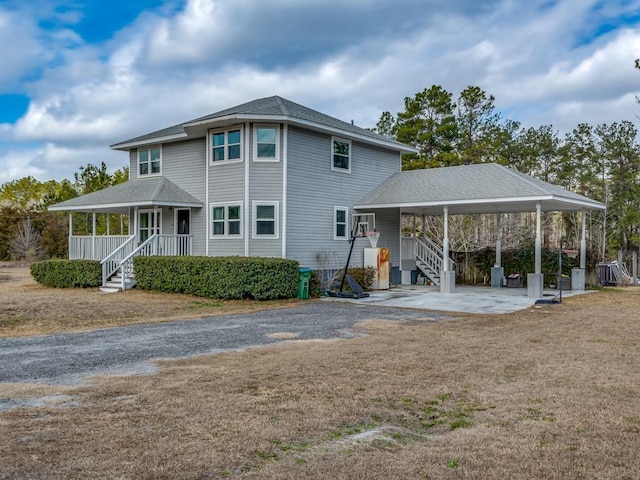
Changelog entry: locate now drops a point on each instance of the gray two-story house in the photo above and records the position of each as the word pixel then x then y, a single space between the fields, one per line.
pixel 274 178
pixel 266 178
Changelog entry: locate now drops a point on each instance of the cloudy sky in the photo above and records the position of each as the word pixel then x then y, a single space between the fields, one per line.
pixel 78 75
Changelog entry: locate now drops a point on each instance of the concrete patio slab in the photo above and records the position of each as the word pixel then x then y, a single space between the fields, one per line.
pixel 466 299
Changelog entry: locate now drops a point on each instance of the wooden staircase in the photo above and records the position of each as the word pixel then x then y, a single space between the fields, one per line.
pixel 429 259
pixel 115 283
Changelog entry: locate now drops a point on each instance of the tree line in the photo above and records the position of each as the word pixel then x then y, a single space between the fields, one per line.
pixel 601 162
pixel 28 231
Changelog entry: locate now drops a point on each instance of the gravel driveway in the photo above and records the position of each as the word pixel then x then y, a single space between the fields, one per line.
pixel 64 359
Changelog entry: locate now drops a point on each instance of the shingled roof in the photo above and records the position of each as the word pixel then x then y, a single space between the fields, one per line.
pixel 484 188
pixel 265 109
pixel 144 192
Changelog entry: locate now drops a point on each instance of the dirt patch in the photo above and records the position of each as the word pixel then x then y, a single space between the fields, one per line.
pixel 27 308
pixel 549 392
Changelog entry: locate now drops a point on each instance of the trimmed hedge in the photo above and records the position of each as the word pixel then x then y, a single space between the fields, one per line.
pixel 67 273
pixel 230 278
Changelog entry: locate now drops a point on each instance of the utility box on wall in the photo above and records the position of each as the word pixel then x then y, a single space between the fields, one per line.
pixel 378 258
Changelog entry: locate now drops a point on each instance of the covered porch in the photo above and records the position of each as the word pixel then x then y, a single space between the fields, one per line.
pixel 472 189
pixel 144 203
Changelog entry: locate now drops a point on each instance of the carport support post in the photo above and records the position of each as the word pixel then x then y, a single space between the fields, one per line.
pixel 447 277
pixel 93 235
pixel 578 275
pixel 535 281
pixel 497 272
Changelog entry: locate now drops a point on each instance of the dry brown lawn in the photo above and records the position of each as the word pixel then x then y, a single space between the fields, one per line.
pixel 546 393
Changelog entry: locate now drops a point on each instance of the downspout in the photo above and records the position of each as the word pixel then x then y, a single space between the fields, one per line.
pixel 247 159
pixel 207 208
pixel 285 134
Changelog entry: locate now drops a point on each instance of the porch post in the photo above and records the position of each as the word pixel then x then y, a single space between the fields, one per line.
pixel 413 234
pixel 135 221
pixel 445 241
pixel 447 277
pixel 535 281
pixel 93 235
pixel 70 224
pixel 121 224
pixel 108 226
pixel 538 266
pixel 578 275
pixel 497 272
pixel 583 242
pixel 424 227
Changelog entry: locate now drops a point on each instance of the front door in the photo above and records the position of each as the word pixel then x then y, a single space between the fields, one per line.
pixel 183 227
pixel 149 224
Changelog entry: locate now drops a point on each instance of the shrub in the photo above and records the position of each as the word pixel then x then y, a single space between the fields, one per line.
pixel 67 273
pixel 219 277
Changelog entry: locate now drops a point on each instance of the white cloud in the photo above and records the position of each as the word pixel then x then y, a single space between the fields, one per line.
pixel 540 60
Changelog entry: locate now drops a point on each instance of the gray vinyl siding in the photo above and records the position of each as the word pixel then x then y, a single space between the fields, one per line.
pixel 133 164
pixel 314 190
pixel 226 184
pixel 184 163
pixel 265 185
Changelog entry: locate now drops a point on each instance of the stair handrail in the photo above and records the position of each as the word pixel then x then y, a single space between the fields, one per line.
pixel 431 254
pixel 147 248
pixel 111 263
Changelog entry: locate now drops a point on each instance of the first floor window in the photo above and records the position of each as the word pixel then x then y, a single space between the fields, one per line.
pixel 340 223
pixel 265 216
pixel 226 220
pixel 149 161
pixel 149 223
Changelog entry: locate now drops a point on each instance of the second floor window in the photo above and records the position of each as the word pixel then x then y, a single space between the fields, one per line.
pixel 266 143
pixel 149 161
pixel 226 145
pixel 341 155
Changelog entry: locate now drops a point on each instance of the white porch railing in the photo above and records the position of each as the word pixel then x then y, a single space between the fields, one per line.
pixel 427 255
pixel 111 263
pixel 94 248
pixel 122 258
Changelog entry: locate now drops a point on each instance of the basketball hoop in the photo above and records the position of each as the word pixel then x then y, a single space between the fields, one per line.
pixel 373 238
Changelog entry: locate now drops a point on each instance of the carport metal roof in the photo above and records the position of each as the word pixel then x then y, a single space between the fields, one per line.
pixel 483 188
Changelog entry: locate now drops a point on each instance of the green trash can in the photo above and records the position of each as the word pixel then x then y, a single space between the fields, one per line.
pixel 304 276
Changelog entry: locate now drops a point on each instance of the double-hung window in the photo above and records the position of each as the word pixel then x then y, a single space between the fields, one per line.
pixel 149 161
pixel 340 224
pixel 265 219
pixel 266 143
pixel 340 154
pixel 226 145
pixel 226 220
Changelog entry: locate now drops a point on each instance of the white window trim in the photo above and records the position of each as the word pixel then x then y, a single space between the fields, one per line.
pixel 343 140
pixel 255 143
pixel 226 220
pixel 226 131
pixel 254 223
pixel 145 175
pixel 335 223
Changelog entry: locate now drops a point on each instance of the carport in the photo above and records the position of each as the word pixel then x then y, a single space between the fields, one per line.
pixel 478 189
